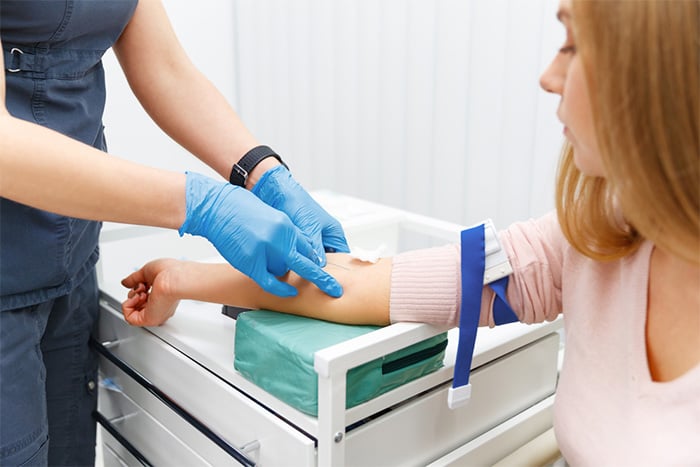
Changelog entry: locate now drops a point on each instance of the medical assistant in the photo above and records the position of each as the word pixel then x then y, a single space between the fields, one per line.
pixel 48 292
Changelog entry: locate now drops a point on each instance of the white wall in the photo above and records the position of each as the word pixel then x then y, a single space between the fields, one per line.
pixel 429 105
pixel 205 29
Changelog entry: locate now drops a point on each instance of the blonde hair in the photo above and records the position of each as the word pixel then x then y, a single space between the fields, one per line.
pixel 642 62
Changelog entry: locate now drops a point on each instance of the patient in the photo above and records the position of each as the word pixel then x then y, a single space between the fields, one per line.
pixel 620 258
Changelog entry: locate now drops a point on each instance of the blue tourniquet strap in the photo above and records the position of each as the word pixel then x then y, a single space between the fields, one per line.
pixel 502 312
pixel 473 263
pixel 473 259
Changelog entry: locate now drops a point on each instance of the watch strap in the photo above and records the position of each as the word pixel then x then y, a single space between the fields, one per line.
pixel 242 168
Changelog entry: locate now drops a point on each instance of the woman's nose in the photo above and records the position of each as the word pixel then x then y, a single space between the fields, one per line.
pixel 552 78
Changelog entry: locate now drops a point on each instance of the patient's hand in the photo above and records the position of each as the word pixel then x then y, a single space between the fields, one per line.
pixel 151 296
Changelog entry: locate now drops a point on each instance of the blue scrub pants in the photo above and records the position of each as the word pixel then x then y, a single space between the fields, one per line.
pixel 48 381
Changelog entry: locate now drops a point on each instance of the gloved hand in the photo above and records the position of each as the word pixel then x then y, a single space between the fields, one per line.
pixel 256 239
pixel 278 189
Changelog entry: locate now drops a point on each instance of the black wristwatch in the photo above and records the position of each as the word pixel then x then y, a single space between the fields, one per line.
pixel 241 169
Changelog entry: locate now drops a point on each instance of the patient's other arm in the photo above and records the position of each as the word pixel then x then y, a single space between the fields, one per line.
pixel 159 285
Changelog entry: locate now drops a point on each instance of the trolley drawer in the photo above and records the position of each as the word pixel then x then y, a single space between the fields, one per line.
pixel 424 429
pixel 231 417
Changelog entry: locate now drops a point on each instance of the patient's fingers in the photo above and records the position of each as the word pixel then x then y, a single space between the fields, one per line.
pixel 134 278
pixel 148 273
pixel 138 301
pixel 141 287
pixel 135 310
pixel 147 309
pixel 132 305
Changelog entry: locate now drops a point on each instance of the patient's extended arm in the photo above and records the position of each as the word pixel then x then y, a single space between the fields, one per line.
pixel 158 286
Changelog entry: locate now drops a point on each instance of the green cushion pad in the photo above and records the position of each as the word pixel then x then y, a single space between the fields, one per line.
pixel 276 352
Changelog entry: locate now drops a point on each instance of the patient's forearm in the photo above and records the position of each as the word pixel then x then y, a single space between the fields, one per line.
pixel 365 298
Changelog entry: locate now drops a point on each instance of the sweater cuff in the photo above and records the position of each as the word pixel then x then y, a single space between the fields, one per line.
pixel 426 286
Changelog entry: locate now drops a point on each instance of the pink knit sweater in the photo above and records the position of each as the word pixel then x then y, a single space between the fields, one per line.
pixel 608 411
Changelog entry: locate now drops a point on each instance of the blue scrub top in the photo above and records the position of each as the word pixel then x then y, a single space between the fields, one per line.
pixel 54 77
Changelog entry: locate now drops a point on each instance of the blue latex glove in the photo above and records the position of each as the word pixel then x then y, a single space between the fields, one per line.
pixel 256 239
pixel 278 189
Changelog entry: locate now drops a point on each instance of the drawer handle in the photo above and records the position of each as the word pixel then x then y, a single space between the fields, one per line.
pixel 161 396
pixel 119 437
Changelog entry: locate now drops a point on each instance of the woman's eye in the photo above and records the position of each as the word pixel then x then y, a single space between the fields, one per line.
pixel 568 49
